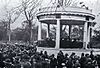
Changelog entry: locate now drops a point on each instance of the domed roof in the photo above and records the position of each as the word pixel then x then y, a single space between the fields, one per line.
pixel 70 10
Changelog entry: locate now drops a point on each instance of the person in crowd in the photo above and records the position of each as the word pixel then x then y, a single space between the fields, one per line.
pixel 76 64
pixel 89 64
pixel 82 61
pixel 17 63
pixel 91 55
pixel 70 63
pixel 33 62
pixel 87 57
pixel 66 58
pixel 45 55
pixel 98 60
pixel 45 60
pixel 72 56
pixel 60 58
pixel 41 53
pixel 8 63
pixel 53 61
pixel 1 60
pixel 38 62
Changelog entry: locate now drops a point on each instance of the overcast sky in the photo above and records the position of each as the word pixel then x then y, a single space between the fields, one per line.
pixel 92 4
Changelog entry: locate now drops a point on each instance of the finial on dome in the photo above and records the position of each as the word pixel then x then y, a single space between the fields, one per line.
pixel 60 3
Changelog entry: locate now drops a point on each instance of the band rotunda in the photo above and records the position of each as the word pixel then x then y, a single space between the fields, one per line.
pixel 66 15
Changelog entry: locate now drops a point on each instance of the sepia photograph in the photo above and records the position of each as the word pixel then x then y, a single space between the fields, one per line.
pixel 49 33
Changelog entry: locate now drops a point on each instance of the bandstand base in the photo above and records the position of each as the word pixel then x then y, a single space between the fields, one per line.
pixel 68 50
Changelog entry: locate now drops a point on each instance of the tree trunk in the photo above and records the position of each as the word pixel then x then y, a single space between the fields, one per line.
pixel 31 32
pixel 9 33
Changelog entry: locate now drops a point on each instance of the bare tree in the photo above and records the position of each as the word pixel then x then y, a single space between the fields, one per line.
pixel 10 16
pixel 3 29
pixel 29 9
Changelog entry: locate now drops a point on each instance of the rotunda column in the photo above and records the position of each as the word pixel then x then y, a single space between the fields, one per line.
pixel 58 34
pixel 70 26
pixel 39 30
pixel 91 32
pixel 48 30
pixel 61 30
pixel 85 36
pixel 89 27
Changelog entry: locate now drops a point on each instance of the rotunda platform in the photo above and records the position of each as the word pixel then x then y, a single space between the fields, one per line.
pixel 68 50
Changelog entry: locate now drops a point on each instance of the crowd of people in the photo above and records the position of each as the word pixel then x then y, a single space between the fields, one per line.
pixel 17 56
